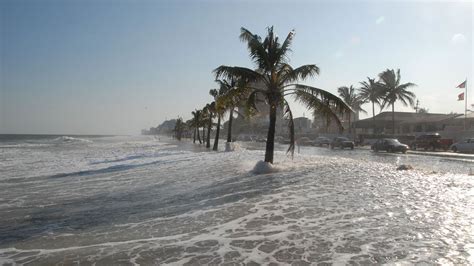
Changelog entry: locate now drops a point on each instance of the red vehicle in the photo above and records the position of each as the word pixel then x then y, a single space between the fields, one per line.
pixel 431 142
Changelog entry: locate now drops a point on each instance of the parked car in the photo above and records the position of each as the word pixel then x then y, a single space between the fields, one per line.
pixel 342 142
pixel 466 145
pixel 320 141
pixel 389 145
pixel 431 142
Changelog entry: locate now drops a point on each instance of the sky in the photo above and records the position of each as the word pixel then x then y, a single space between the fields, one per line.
pixel 116 67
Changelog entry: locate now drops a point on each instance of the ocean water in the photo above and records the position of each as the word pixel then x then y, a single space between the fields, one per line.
pixel 147 200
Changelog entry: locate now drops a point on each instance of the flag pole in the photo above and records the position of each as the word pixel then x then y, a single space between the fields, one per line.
pixel 465 106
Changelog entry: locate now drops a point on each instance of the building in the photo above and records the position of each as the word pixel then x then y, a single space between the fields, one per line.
pixel 406 123
pixel 328 125
pixel 302 125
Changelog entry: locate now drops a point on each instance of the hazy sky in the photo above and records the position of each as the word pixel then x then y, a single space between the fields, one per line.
pixel 115 67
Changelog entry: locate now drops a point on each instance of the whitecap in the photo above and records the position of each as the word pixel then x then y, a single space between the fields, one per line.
pixel 67 139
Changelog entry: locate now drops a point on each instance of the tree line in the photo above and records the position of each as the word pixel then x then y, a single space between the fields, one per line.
pixel 273 81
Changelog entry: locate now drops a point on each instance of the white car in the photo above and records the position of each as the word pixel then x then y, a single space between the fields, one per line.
pixel 466 145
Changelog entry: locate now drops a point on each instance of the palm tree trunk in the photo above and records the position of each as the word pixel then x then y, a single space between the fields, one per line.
pixel 194 136
pixel 203 134
pixel 199 137
pixel 373 116
pixel 208 143
pixel 216 140
pixel 350 129
pixel 229 130
pixel 327 124
pixel 271 135
pixel 393 119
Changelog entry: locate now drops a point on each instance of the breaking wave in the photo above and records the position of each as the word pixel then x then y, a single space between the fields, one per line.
pixel 67 139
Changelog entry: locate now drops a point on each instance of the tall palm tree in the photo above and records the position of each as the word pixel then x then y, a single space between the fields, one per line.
pixel 210 111
pixel 371 91
pixel 351 98
pixel 189 126
pixel 219 110
pixel 394 91
pixel 203 124
pixel 274 79
pixel 179 128
pixel 215 93
pixel 233 93
pixel 196 123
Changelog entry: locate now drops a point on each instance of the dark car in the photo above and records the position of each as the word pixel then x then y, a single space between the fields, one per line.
pixel 431 142
pixel 320 141
pixel 389 145
pixel 341 142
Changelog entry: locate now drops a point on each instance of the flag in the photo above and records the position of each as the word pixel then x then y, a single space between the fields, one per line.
pixel 462 85
pixel 461 97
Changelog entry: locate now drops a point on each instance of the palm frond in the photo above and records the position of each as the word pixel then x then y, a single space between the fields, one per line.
pixel 291 127
pixel 406 86
pixel 243 73
pixel 214 93
pixel 251 103
pixel 246 35
pixel 398 77
pixel 285 47
pixel 407 98
pixel 322 102
pixel 323 96
pixel 256 48
pixel 289 74
pixel 234 96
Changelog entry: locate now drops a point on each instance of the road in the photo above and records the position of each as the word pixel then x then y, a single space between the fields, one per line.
pixel 447 162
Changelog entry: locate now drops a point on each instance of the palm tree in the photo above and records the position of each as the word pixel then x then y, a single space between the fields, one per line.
pixel 189 126
pixel 274 79
pixel 215 93
pixel 226 98
pixel 231 96
pixel 371 92
pixel 179 128
pixel 350 97
pixel 204 118
pixel 219 111
pixel 196 123
pixel 394 90
pixel 234 93
pixel 209 110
